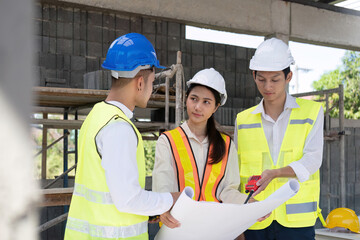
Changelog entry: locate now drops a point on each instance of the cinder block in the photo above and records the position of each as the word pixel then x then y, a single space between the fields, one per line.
pixel 78 63
pixel 241 53
pixel 45 12
pixel 45 44
pixel 120 33
pixel 239 85
pixel 48 60
pixel 94 34
pixel 92 64
pixel 238 103
pixel 56 80
pixel 77 15
pixel 135 24
pixel 209 62
pixel 220 64
pixel 185 46
pixel 197 61
pixel 59 29
pixel 105 48
pixel 52 45
pixel 250 89
pixel 241 66
pixel 105 35
pixel 109 20
pixel 64 46
pixel 122 23
pixel 52 29
pixel 182 31
pixel 164 41
pixel 76 31
pixel 209 49
pixel 164 27
pixel 157 42
pixel 219 50
pixel 68 30
pixel 187 73
pixel 186 59
pixel 83 17
pixel 112 36
pixel 230 51
pixel 76 79
pixel 49 73
pixel 197 47
pixel 172 56
pixel 230 83
pixel 94 18
pixel 67 62
pixel 173 44
pixel 174 29
pixel 59 62
pixel 94 49
pixel 65 14
pixel 45 28
pixel 83 31
pixel 158 25
pixel 52 13
pixel 230 64
pixel 148 25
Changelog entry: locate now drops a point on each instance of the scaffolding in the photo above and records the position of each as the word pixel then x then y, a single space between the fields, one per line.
pixel 332 136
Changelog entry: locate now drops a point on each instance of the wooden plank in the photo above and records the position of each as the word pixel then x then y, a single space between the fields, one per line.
pixel 58 123
pixel 56 197
pixel 77 97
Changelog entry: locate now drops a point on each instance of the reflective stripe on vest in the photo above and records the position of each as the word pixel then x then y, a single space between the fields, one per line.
pixel 106 231
pixel 255 157
pixel 92 195
pixel 301 207
pixel 187 170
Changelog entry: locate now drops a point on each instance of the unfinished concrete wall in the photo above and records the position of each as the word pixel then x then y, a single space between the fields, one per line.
pixel 74 41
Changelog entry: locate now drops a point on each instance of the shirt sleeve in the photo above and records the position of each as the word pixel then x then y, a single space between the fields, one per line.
pixel 164 178
pixel 313 150
pixel 231 181
pixel 121 171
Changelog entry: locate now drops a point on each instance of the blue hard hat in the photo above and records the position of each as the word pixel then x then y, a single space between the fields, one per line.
pixel 130 51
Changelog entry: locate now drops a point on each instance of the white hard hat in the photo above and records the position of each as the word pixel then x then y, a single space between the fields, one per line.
pixel 271 55
pixel 211 78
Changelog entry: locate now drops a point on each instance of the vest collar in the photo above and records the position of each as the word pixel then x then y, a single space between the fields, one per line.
pixel 128 113
pixel 290 103
pixel 189 133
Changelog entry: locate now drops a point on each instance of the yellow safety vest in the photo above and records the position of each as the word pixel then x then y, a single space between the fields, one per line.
pixel 254 158
pixel 187 171
pixel 93 214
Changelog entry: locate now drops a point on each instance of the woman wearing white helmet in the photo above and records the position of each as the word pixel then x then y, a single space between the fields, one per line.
pixel 197 154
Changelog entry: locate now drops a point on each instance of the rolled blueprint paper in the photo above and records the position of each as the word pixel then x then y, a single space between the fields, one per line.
pixel 225 221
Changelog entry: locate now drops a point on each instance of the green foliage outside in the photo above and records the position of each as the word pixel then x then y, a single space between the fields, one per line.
pixel 349 75
pixel 55 153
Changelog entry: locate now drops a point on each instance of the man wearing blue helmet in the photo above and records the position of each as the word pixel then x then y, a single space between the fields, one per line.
pixel 109 200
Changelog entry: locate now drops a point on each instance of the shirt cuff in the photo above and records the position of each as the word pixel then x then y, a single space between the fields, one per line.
pixel 301 172
pixel 168 200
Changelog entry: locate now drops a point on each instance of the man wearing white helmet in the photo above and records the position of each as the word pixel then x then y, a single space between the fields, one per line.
pixel 281 138
pixel 197 154
pixel 109 200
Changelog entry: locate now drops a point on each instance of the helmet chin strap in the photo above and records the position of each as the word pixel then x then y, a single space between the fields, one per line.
pixel 128 74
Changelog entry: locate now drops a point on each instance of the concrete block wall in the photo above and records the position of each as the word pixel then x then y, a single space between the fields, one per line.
pixel 73 41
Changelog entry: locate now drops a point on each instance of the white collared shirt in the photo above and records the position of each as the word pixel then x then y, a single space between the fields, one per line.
pixel 275 131
pixel 117 144
pixel 165 175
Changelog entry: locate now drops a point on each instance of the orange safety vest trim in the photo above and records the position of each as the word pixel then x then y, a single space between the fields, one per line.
pixel 187 170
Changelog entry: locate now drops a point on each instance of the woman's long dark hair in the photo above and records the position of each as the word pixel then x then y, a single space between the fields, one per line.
pixel 214 135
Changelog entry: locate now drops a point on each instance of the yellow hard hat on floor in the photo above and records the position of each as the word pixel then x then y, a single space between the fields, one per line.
pixel 343 217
